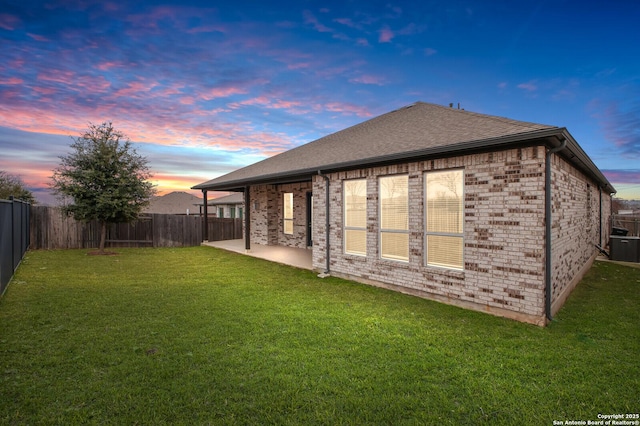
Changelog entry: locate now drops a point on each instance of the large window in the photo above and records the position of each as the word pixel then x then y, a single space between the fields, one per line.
pixel 288 213
pixel 355 216
pixel 444 218
pixel 394 217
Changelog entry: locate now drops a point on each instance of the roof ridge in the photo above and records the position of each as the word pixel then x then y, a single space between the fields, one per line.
pixel 483 115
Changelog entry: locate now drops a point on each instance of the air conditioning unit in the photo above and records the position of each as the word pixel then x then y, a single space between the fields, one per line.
pixel 625 249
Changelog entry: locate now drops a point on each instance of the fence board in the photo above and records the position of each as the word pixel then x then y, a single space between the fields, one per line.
pixel 629 222
pixel 50 229
pixel 224 229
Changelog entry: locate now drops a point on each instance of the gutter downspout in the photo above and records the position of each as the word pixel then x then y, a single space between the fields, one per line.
pixel 327 269
pixel 600 216
pixel 547 212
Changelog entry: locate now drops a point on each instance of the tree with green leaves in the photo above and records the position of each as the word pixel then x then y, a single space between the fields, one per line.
pixel 13 186
pixel 103 178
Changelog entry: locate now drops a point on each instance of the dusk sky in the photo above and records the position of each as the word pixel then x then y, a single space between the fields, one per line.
pixel 203 88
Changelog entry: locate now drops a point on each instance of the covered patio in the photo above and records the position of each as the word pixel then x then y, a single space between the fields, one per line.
pixel 300 258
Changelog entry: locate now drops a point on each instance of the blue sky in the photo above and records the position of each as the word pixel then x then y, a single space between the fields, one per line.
pixel 203 88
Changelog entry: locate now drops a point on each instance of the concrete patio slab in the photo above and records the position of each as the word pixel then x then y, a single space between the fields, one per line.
pixel 300 258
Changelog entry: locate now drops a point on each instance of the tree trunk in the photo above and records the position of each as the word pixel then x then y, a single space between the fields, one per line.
pixel 103 235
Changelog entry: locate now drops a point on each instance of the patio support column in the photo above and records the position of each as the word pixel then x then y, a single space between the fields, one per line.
pixel 205 218
pixel 247 219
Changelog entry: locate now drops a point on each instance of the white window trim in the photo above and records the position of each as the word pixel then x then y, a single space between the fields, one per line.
pixel 286 219
pixel 352 228
pixel 382 230
pixel 443 234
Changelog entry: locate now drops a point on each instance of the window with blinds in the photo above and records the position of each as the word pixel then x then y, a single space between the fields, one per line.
pixel 444 218
pixel 288 213
pixel 355 216
pixel 394 217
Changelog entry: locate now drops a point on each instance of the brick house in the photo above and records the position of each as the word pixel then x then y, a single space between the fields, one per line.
pixel 473 210
pixel 229 206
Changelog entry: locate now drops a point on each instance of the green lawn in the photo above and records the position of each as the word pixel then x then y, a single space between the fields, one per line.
pixel 202 336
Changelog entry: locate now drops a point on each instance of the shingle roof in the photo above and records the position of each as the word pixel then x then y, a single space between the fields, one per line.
pixel 417 130
pixel 235 198
pixel 176 202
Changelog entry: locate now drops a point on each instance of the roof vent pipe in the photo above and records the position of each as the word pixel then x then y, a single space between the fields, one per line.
pixel 547 219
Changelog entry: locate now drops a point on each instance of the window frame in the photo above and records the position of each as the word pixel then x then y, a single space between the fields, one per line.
pixel 427 232
pixel 394 231
pixel 287 220
pixel 346 227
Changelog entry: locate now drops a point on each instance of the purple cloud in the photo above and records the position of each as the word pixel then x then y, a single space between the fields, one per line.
pixel 621 124
pixel 386 35
pixel 623 176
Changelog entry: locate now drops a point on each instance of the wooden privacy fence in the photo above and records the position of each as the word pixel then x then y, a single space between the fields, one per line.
pixel 50 229
pixel 224 229
pixel 629 222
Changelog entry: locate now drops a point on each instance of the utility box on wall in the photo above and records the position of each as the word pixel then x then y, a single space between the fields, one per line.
pixel 625 249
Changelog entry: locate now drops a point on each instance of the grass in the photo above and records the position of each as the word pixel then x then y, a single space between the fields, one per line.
pixel 202 336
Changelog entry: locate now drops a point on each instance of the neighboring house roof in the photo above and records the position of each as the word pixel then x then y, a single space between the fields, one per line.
pixel 174 203
pixel 419 130
pixel 235 198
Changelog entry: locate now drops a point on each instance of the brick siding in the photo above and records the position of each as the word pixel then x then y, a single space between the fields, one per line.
pixel 504 232
pixel 267 225
pixel 576 205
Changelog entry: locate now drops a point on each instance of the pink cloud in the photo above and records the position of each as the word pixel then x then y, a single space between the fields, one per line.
pixel 299 65
pixel 430 51
pixel 106 66
pixel 260 100
pixel 280 104
pixel 44 90
pixel 292 107
pixel 135 88
pixel 93 84
pixel 347 108
pixel 623 176
pixel 58 76
pixel 309 18
pixel 10 81
pixel 8 22
pixel 386 35
pixel 368 79
pixel 222 92
pixel 172 89
pixel 348 23
pixel 207 29
pixel 37 37
pixel 529 86
pixel 620 122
